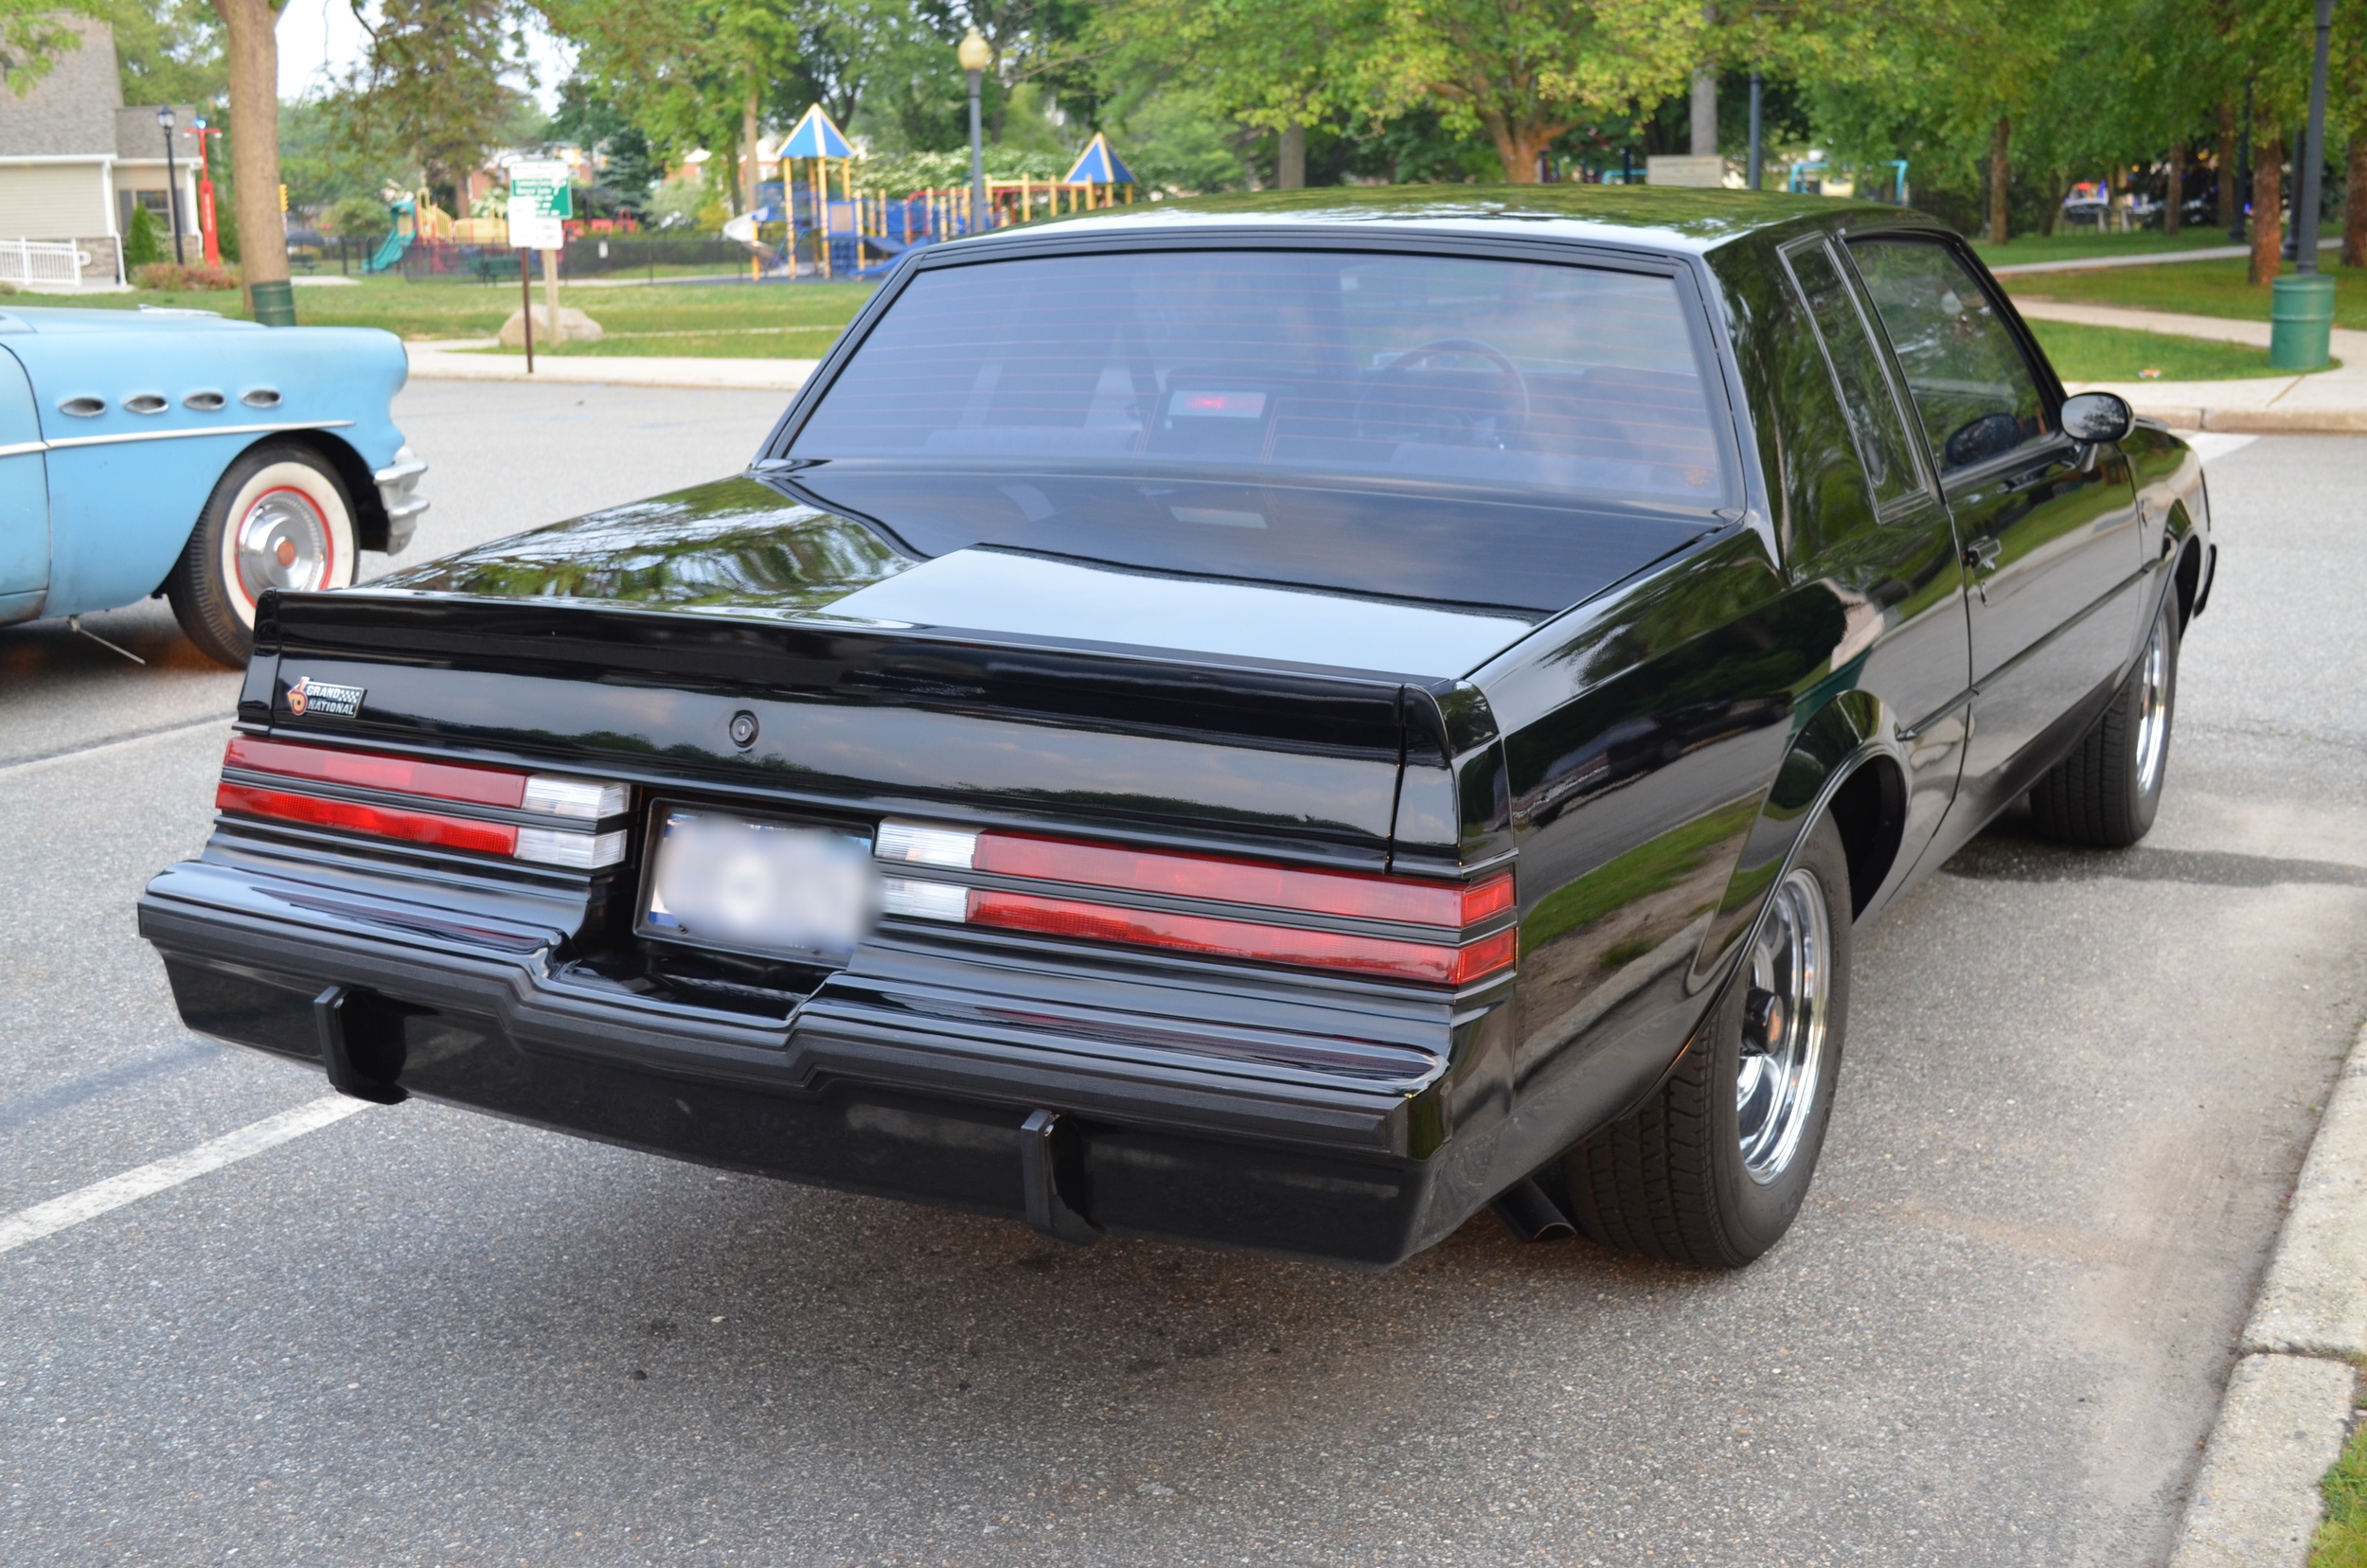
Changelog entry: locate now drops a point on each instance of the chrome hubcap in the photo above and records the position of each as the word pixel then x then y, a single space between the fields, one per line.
pixel 283 543
pixel 2153 711
pixel 1782 1026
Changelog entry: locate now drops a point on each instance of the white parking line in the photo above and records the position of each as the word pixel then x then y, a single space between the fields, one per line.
pixel 89 1202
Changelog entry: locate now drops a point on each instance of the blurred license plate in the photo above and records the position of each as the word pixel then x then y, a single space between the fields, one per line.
pixel 760 886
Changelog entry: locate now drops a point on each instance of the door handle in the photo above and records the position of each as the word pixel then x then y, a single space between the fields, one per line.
pixel 1980 554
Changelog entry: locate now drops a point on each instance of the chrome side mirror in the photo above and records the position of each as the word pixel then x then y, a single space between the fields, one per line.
pixel 2098 416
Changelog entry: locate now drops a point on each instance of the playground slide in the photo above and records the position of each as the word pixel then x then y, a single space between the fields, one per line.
pixel 390 254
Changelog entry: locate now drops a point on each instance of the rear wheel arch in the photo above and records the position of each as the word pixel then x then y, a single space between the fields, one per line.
pixel 2187 580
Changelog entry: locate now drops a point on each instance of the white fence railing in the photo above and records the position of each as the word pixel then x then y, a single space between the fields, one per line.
pixel 47 263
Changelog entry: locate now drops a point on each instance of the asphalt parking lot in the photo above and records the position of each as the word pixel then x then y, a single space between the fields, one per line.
pixel 2077 1091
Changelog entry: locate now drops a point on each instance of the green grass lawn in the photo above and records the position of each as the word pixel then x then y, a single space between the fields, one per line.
pixel 772 320
pixel 2117 354
pixel 2196 288
pixel 2342 1534
pixel 2081 245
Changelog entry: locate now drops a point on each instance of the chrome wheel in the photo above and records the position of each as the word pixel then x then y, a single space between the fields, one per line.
pixel 283 542
pixel 2153 710
pixel 1783 1026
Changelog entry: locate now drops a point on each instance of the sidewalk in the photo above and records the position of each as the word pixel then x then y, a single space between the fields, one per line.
pixel 2323 403
pixel 451 361
pixel 2146 258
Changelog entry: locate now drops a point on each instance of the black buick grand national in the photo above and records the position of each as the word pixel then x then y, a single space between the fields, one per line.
pixel 1273 723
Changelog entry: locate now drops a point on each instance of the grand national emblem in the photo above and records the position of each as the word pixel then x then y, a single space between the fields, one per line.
pixel 311 696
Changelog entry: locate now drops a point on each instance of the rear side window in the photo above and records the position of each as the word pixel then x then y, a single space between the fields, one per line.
pixel 1566 377
pixel 1972 386
pixel 1876 427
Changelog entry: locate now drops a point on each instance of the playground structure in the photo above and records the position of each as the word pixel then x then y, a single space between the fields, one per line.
pixel 416 218
pixel 836 229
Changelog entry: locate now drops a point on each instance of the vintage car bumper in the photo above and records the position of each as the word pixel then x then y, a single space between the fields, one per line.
pixel 398 484
pixel 912 1074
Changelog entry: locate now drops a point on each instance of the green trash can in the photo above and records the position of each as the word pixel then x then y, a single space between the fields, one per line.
pixel 273 305
pixel 2301 319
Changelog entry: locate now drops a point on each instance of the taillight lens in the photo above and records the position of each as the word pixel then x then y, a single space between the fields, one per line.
pixel 281 768
pixel 1446 954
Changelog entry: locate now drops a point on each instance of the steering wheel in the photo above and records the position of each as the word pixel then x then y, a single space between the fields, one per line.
pixel 1389 390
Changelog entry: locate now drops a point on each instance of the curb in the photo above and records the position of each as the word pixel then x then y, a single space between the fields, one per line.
pixel 2260 422
pixel 711 375
pixel 2290 1399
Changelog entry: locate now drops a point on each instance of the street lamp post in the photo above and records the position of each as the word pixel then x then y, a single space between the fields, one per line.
pixel 976 54
pixel 1758 157
pixel 2301 306
pixel 173 181
pixel 2313 152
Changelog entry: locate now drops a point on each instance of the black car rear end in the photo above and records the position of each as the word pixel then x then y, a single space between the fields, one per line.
pixel 1093 1052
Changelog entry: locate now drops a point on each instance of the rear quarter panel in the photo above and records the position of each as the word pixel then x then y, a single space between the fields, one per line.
pixel 125 489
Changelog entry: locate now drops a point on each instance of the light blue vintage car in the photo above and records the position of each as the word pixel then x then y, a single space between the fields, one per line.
pixel 175 452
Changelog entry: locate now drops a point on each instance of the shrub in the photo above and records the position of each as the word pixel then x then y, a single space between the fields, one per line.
pixel 355 218
pixel 167 278
pixel 140 245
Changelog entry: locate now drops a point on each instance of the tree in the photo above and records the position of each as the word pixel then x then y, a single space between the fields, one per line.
pixel 168 51
pixel 431 83
pixel 253 47
pixel 1522 72
pixel 140 244
pixel 32 35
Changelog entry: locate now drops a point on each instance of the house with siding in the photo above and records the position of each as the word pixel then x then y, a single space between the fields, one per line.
pixel 75 159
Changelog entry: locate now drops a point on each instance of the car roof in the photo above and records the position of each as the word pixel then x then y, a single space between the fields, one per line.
pixel 1665 217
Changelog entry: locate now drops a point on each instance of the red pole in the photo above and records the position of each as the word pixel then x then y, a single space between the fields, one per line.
pixel 206 194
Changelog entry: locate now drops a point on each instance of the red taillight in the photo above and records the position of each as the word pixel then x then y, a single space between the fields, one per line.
pixel 1328 950
pixel 410 776
pixel 1347 893
pixel 574 806
pixel 449 832
pixel 1449 909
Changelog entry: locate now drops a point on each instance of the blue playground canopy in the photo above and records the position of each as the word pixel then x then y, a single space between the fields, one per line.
pixel 1099 164
pixel 816 137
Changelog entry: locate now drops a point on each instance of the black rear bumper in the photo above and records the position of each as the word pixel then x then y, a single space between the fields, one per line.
pixel 887 1079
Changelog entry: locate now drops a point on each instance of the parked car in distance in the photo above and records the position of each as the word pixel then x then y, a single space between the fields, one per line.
pixel 1271 723
pixel 210 460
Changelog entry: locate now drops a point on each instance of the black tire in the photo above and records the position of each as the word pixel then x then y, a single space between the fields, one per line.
pixel 2104 796
pixel 1672 1179
pixel 288 493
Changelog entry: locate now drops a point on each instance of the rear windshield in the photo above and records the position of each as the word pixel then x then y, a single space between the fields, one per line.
pixel 1511 373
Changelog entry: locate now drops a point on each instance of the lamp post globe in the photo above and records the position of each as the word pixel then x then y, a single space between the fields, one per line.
pixel 975 54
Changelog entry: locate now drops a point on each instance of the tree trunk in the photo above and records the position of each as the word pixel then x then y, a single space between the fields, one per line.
pixel 2174 199
pixel 2267 206
pixel 748 133
pixel 1290 163
pixel 2354 206
pixel 254 56
pixel 2228 195
pixel 1518 148
pixel 2000 169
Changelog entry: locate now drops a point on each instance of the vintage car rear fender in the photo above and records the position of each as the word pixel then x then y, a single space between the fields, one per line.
pixel 126 486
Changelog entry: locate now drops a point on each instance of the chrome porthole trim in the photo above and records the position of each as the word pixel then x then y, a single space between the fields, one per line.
pixel 146 402
pixel 260 397
pixel 1789 978
pixel 83 407
pixel 282 541
pixel 2153 710
pixel 205 401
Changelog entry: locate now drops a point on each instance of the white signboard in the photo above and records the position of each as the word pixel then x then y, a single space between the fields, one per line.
pixel 540 200
pixel 1706 173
